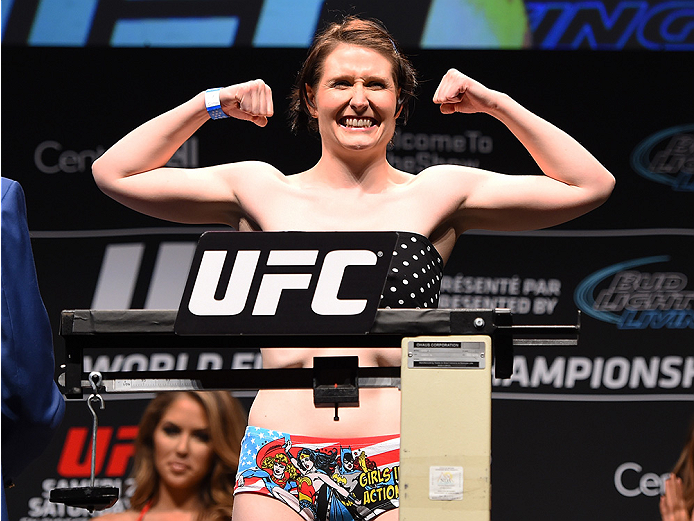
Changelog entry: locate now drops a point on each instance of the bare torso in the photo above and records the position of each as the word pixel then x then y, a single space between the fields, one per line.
pixel 293 410
pixel 294 203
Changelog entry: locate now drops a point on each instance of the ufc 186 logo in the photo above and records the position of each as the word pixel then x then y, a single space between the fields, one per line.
pixel 285 282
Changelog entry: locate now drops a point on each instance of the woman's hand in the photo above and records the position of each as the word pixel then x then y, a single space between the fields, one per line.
pixel 250 101
pixel 672 506
pixel 460 93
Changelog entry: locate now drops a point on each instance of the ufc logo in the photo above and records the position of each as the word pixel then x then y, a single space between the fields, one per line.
pixel 325 300
pixel 75 460
pixel 278 283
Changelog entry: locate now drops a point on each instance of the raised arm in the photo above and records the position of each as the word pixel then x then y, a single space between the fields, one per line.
pixel 574 181
pixel 132 171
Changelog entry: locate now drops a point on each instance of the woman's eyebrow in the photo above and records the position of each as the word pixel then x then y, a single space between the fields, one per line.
pixel 350 76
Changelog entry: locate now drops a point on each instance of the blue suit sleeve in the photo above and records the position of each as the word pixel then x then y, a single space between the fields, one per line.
pixel 32 406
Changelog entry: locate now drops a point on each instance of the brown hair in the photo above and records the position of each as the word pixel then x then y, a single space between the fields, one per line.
pixel 684 468
pixel 355 31
pixel 227 421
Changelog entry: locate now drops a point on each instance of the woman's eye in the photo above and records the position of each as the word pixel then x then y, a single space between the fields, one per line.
pixel 171 430
pixel 203 436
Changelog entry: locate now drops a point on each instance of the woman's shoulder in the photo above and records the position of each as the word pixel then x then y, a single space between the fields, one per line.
pixel 250 173
pixel 128 515
pixel 437 171
pixel 449 179
pixel 249 167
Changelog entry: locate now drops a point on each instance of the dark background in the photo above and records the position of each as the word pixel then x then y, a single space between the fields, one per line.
pixel 559 444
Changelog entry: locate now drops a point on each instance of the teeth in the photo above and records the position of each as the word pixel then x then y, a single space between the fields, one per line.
pixel 358 122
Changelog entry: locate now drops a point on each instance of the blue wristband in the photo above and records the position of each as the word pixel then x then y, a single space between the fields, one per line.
pixel 212 104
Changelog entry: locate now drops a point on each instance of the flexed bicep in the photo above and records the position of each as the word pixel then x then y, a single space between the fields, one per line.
pixel 472 198
pixel 209 195
pixel 522 202
pixel 133 170
pixel 574 182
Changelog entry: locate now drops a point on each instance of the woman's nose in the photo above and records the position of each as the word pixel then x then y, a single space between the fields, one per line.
pixel 182 445
pixel 359 101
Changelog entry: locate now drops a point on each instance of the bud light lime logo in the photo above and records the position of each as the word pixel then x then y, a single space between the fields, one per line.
pixel 667 157
pixel 633 299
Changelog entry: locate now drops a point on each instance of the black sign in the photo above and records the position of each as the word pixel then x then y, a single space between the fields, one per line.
pixel 285 283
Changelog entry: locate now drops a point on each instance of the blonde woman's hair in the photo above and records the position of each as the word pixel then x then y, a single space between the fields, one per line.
pixel 227 423
pixel 684 468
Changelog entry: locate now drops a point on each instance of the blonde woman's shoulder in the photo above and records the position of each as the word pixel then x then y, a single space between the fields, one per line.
pixel 128 515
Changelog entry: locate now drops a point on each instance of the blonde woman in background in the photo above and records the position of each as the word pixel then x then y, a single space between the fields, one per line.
pixel 186 457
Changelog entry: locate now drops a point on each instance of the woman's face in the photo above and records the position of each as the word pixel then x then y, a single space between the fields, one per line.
pixel 182 447
pixel 355 99
pixel 278 468
pixel 306 462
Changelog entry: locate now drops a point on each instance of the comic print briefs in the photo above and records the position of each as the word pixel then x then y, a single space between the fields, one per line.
pixel 323 479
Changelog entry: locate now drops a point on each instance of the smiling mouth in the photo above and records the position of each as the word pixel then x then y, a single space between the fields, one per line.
pixel 352 122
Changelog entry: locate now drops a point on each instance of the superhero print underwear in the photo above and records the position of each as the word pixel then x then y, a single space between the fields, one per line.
pixel 322 479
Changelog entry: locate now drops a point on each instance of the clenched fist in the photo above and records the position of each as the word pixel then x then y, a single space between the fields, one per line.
pixel 251 101
pixel 460 93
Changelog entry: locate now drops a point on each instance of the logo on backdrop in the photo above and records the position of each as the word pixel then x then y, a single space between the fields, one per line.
pixel 610 25
pixel 670 374
pixel 115 452
pixel 285 282
pixel 631 480
pixel 633 299
pixel 52 157
pixel 594 24
pixel 523 296
pixel 667 157
pixel 413 152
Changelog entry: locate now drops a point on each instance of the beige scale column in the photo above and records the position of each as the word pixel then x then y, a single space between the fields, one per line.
pixel 445 437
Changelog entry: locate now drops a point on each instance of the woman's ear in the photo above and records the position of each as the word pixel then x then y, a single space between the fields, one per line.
pixel 311 100
pixel 399 105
